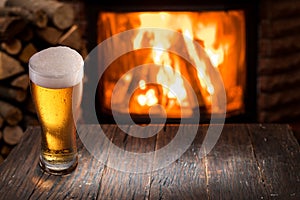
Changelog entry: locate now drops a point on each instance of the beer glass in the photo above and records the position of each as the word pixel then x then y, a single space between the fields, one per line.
pixel 56 86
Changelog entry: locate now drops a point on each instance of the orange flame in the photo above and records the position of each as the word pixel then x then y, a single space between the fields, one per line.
pixel 161 41
pixel 149 98
pixel 220 33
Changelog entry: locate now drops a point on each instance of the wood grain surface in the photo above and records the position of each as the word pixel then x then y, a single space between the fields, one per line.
pixel 249 161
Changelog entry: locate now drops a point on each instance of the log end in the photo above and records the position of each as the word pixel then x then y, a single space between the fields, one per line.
pixel 14 116
pixel 63 17
pixel 40 19
pixel 12 134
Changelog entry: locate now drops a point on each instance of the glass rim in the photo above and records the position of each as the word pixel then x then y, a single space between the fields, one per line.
pixel 56 67
pixel 32 71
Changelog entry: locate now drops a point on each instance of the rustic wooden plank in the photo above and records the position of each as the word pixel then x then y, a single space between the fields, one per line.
pixel 248 162
pixel 19 174
pixel 83 183
pixel 25 180
pixel 185 178
pixel 121 184
pixel 231 167
pixel 278 156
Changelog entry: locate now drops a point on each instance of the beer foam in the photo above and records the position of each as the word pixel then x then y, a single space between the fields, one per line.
pixel 56 67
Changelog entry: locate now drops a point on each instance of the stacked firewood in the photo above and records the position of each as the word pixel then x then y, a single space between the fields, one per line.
pixel 27 27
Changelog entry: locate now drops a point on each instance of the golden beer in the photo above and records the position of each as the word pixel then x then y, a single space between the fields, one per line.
pixel 57 95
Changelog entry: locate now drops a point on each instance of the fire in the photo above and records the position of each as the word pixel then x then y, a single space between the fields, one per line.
pixel 166 75
pixel 220 34
pixel 170 76
pixel 149 98
pixel 208 35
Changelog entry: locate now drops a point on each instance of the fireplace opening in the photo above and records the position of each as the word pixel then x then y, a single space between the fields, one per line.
pixel 223 34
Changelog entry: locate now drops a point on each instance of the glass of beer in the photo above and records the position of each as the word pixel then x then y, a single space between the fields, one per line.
pixel 56 86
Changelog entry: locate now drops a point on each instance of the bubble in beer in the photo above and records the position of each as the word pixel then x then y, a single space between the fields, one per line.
pixel 56 67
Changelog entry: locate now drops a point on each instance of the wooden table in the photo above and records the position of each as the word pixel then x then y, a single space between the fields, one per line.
pixel 249 161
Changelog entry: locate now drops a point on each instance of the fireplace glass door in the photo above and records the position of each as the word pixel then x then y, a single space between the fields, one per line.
pixel 221 34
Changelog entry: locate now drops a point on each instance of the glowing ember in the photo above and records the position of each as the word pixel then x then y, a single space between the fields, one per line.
pixel 148 99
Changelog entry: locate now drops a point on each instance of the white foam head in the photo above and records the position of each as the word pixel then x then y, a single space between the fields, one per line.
pixel 56 67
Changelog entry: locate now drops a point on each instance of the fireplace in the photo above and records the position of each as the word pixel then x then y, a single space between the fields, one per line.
pixel 226 32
